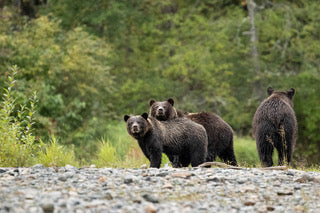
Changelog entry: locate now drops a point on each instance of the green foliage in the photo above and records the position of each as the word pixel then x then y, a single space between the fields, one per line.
pixel 307 102
pixel 53 154
pixel 18 145
pixel 106 155
pixel 94 61
pixel 69 69
pixel 246 152
pixel 121 150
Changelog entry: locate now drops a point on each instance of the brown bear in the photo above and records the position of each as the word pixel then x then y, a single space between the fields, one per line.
pixel 179 137
pixel 220 134
pixel 275 126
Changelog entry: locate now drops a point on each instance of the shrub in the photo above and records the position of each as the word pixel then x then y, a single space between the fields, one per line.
pixel 106 156
pixel 53 154
pixel 17 143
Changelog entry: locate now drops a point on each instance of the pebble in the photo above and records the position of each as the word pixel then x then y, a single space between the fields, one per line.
pixel 47 207
pixel 151 209
pixel 150 198
pixel 90 189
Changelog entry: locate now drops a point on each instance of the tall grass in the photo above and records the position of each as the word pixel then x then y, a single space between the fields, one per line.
pixel 119 138
pixel 53 154
pixel 106 156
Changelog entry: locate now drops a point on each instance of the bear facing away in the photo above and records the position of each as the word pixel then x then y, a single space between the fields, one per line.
pixel 275 126
pixel 220 134
pixel 181 137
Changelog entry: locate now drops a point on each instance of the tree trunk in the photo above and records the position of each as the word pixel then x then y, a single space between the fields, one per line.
pixel 257 86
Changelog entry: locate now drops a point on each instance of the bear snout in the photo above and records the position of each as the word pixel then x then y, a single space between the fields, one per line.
pixel 135 128
pixel 160 111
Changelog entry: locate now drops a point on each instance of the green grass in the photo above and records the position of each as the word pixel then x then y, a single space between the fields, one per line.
pixel 119 138
pixel 247 154
pixel 121 150
pixel 56 155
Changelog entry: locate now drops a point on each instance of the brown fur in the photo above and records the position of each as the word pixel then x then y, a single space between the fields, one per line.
pixel 180 137
pixel 275 126
pixel 220 134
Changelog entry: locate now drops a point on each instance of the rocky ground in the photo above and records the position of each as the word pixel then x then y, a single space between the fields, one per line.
pixel 71 189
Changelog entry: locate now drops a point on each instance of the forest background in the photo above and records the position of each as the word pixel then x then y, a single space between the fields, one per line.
pixel 92 62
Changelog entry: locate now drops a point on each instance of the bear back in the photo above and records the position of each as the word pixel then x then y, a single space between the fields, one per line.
pixel 276 109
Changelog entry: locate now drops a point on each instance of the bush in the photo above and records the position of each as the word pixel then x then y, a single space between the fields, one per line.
pixel 17 143
pixel 53 154
pixel 106 156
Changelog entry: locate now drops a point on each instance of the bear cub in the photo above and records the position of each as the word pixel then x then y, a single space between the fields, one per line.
pixel 275 126
pixel 219 133
pixel 179 137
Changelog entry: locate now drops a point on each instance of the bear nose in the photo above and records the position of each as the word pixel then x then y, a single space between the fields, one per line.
pixel 135 127
pixel 160 110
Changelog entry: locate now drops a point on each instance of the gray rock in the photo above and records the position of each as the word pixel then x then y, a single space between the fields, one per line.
pixel 241 180
pixel 150 198
pixel 62 178
pixel 38 166
pixel 68 189
pixel 128 180
pixel 47 207
pixel 162 174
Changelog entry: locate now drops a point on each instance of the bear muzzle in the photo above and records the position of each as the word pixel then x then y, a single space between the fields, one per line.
pixel 160 111
pixel 135 128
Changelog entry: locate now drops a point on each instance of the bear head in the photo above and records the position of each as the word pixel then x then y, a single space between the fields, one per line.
pixel 163 110
pixel 138 125
pixel 286 96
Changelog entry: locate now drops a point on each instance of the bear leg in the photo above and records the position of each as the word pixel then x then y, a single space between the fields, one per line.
pixel 281 153
pixel 211 156
pixel 198 157
pixel 228 156
pixel 155 160
pixel 265 147
pixel 285 137
pixel 279 144
pixel 175 161
pixel 289 147
pixel 184 160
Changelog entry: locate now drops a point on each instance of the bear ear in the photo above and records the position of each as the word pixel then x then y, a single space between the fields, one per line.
pixel 145 115
pixel 171 101
pixel 290 93
pixel 270 90
pixel 126 117
pixel 151 102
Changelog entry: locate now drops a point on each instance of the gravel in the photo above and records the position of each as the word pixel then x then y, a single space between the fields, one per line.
pixel 70 189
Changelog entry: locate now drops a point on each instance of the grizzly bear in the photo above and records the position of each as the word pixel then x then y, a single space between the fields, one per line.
pixel 275 126
pixel 179 137
pixel 219 133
